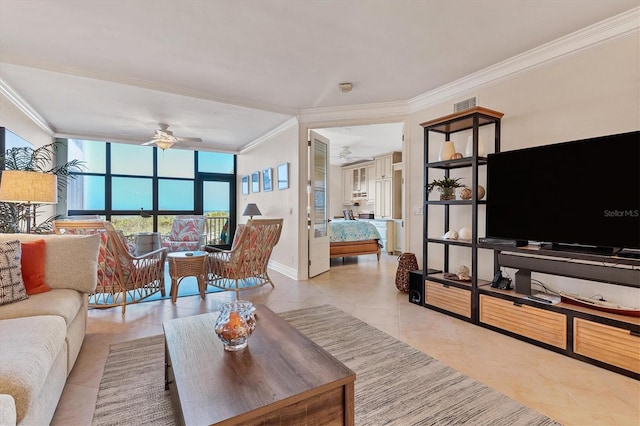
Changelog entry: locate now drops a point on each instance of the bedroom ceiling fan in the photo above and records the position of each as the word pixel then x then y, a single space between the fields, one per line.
pixel 163 138
pixel 346 155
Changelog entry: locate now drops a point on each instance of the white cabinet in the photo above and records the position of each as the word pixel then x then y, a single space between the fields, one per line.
pixel 371 183
pixel 388 186
pixel 356 183
pixel 347 186
pixel 384 198
pixel 384 164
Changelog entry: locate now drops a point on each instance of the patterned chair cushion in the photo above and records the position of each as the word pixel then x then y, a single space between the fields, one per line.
pixel 186 230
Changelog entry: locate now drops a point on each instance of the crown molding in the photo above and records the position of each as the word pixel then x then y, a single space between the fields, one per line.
pixel 376 111
pixel 618 27
pixel 271 133
pixel 22 105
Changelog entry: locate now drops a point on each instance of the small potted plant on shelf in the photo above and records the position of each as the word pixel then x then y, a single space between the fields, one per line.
pixel 446 186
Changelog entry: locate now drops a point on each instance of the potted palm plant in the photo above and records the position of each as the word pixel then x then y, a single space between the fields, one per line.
pixel 13 216
pixel 447 187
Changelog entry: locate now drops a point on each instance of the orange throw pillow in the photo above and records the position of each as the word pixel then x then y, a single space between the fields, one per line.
pixel 33 256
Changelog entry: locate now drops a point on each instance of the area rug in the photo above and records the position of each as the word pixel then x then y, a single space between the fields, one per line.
pixel 188 287
pixel 395 383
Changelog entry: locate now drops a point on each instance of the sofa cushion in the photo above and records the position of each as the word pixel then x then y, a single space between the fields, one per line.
pixel 11 284
pixel 7 410
pixel 34 345
pixel 33 257
pixel 61 302
pixel 72 260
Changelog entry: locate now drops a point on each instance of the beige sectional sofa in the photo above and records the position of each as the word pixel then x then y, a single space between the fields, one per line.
pixel 40 337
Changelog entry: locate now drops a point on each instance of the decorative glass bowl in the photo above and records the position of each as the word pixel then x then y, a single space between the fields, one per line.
pixel 235 324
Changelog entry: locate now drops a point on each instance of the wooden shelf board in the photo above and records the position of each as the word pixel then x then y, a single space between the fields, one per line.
pixel 462 120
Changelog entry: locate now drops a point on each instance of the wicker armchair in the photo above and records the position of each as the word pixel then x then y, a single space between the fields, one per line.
pixel 245 265
pixel 122 278
pixel 187 233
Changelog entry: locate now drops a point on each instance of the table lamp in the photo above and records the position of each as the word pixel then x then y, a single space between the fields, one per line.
pixel 251 210
pixel 30 188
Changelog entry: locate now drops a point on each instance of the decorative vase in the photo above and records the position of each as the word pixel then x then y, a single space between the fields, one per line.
pixel 235 324
pixel 468 152
pixel 447 150
pixel 448 194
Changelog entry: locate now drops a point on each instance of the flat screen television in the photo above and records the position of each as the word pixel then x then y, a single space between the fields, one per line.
pixel 581 195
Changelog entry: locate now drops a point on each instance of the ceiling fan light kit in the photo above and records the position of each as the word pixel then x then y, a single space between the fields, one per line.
pixel 163 138
pixel 163 144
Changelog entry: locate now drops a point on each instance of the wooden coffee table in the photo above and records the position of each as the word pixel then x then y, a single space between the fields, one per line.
pixel 282 377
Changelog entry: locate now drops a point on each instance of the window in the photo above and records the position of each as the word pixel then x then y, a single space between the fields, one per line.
pixel 140 188
pixel 176 163
pixel 86 192
pixel 216 162
pixel 131 160
pixel 175 194
pixel 131 193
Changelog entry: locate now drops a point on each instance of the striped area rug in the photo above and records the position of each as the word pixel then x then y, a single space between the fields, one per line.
pixel 395 383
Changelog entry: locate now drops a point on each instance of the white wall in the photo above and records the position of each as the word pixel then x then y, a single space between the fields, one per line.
pixel 593 93
pixel 274 150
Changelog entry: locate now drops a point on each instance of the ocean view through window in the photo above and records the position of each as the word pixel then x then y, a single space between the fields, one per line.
pixel 141 188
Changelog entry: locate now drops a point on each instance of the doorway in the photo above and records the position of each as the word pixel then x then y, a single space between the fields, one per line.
pixel 216 199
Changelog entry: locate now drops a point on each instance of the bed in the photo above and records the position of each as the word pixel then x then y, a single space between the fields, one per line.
pixel 353 238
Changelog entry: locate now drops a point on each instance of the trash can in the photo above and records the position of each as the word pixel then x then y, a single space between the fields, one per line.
pixel 407 262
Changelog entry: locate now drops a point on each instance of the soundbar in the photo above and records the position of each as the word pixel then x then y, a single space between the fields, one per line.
pixel 503 242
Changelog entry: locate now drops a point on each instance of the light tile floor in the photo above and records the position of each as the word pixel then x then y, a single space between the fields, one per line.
pixel 567 390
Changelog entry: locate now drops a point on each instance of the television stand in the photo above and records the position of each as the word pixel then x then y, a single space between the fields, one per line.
pixel 602 334
pixel 629 253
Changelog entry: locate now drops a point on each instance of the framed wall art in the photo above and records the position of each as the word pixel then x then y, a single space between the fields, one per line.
pixel 245 185
pixel 255 182
pixel 283 176
pixel 267 179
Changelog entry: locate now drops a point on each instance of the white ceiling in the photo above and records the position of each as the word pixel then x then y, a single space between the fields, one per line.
pixel 230 72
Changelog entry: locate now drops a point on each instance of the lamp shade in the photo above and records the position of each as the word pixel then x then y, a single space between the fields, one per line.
pixel 21 186
pixel 251 210
pixel 163 143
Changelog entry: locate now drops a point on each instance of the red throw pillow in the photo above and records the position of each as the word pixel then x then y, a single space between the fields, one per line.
pixel 33 257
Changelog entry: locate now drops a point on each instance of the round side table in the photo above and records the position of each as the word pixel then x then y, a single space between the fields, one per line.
pixel 187 264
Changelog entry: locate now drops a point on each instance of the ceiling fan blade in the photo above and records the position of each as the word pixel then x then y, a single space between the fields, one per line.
pixel 149 143
pixel 179 139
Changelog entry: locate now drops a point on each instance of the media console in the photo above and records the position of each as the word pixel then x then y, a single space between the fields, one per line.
pixel 609 340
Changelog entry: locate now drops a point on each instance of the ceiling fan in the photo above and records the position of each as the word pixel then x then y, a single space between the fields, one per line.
pixel 163 138
pixel 345 154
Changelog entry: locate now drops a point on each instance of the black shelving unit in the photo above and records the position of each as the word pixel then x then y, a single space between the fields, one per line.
pixel 472 119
